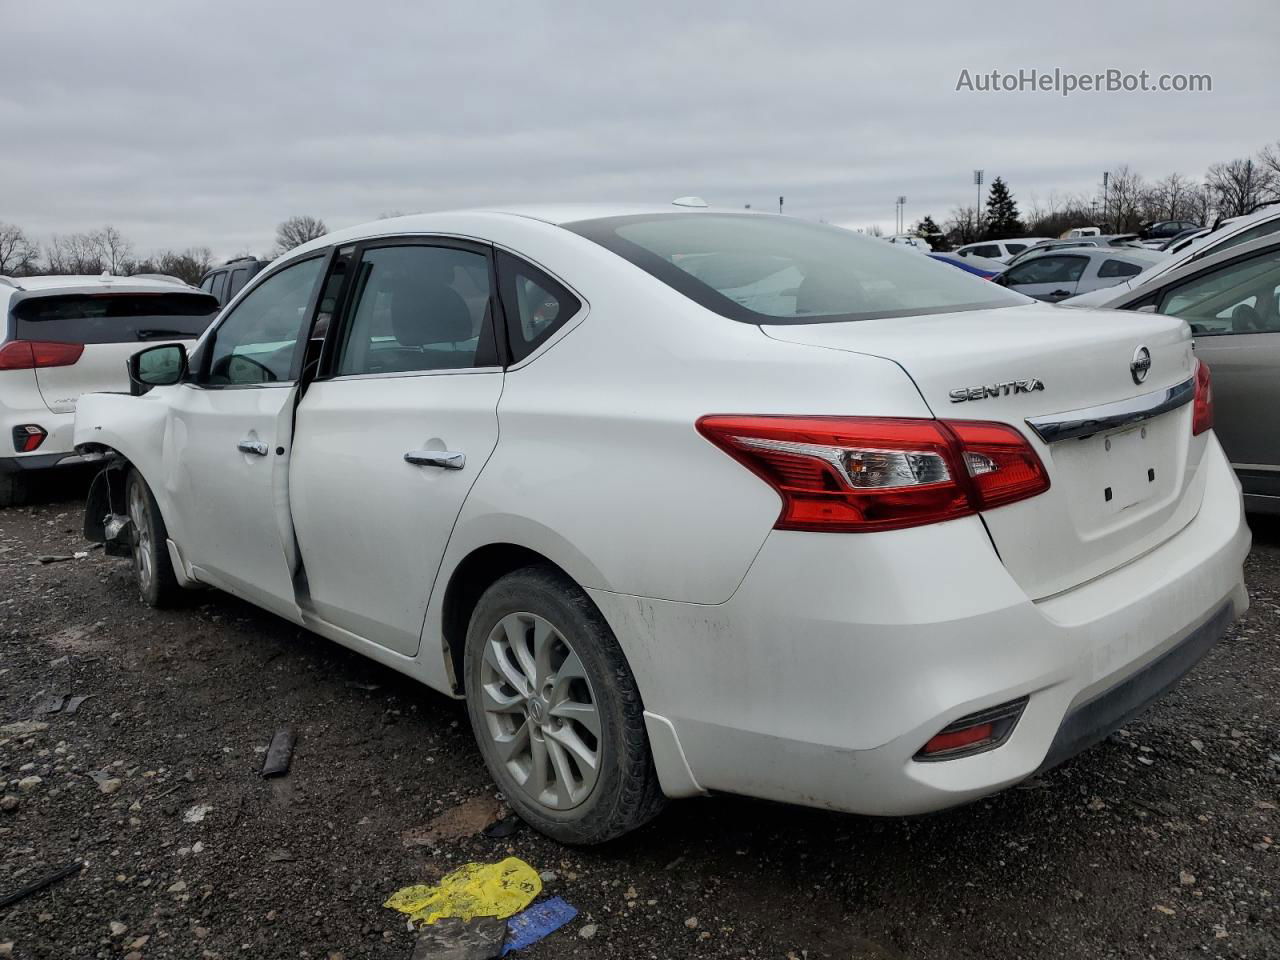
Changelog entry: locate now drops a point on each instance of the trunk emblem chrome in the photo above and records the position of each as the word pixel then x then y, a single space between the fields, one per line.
pixel 1002 389
pixel 1141 364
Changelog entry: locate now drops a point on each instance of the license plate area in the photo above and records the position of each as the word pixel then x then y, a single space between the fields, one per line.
pixel 1117 477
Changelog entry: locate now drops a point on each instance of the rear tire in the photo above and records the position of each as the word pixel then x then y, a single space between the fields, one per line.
pixel 157 585
pixel 556 711
pixel 14 490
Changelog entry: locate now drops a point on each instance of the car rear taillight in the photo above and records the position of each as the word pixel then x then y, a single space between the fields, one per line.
pixel 866 474
pixel 28 437
pixel 1202 408
pixel 30 354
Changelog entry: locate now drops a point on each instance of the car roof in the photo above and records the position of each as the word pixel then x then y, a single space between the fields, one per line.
pixel 1189 267
pixel 98 284
pixel 1135 254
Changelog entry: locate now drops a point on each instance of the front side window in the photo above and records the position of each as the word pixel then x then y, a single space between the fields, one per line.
pixel 767 270
pixel 256 343
pixel 1237 298
pixel 1118 268
pixel 416 308
pixel 1048 270
pixel 238 278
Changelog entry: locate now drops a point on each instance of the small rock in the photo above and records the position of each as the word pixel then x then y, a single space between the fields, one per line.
pixel 178 887
pixel 548 876
pixel 9 803
pixel 588 931
pixel 1097 804
pixel 1186 879
pixel 692 923
pixel 133 955
pixel 1198 745
pixel 197 813
pixel 1167 911
pixel 23 728
pixel 27 784
pixel 631 893
pixel 6 949
pixel 110 785
pixel 118 929
pixel 141 942
pixel 1146 761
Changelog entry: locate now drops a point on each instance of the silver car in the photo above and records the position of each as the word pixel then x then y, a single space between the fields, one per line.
pixel 1057 274
pixel 1231 300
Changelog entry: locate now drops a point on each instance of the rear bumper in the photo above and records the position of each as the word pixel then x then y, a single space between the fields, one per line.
pixel 839 657
pixel 57 450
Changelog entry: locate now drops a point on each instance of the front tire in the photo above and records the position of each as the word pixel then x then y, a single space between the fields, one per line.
pixel 157 585
pixel 556 711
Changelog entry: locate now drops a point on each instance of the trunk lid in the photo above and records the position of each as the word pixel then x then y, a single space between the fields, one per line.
pixel 1113 495
pixel 112 327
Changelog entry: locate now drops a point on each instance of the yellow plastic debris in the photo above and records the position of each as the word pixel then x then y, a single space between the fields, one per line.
pixel 473 890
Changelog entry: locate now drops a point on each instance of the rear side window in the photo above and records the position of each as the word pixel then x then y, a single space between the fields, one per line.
pixel 775 270
pixel 1015 247
pixel 535 304
pixel 220 286
pixel 990 251
pixel 1048 270
pixel 1118 268
pixel 238 278
pixel 114 317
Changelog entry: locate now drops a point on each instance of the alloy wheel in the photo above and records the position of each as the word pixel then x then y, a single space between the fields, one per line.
pixel 142 536
pixel 540 712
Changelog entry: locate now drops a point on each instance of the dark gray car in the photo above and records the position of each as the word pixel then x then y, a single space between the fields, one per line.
pixel 1232 302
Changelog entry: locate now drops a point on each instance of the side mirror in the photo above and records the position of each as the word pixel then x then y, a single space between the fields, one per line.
pixel 1146 308
pixel 160 366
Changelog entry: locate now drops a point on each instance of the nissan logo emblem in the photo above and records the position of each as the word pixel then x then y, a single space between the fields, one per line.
pixel 1141 364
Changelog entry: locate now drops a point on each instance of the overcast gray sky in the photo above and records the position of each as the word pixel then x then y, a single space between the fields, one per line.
pixel 207 123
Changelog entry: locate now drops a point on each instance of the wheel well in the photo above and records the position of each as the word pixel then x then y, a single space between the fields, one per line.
pixel 478 571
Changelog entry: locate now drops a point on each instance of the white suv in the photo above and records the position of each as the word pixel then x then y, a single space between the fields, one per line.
pixel 1001 250
pixel 64 336
pixel 692 501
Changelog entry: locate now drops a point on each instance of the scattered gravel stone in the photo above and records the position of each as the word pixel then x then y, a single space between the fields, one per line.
pixel 9 803
pixel 587 931
pixel 27 784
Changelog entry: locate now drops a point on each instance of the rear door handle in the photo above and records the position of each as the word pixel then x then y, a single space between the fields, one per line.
pixel 448 459
pixel 255 447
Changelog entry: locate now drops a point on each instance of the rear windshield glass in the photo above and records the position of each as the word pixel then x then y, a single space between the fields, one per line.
pixel 763 269
pixel 113 317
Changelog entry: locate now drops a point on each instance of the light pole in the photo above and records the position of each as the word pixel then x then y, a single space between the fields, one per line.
pixel 1106 178
pixel 779 205
pixel 977 216
pixel 902 214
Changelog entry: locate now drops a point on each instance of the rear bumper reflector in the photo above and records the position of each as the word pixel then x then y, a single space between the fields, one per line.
pixel 974 733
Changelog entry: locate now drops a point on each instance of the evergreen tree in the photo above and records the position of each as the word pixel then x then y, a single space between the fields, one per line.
pixel 930 231
pixel 1002 213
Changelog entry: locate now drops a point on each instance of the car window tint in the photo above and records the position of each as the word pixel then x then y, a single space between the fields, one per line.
pixel 1015 247
pixel 1237 298
pixel 418 308
pixel 768 270
pixel 1253 233
pixel 219 286
pixel 1118 268
pixel 989 251
pixel 256 342
pixel 207 283
pixel 1048 270
pixel 535 304
pixel 114 317
pixel 238 278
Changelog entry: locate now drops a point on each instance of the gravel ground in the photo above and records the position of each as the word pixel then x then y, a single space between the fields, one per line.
pixel 1157 843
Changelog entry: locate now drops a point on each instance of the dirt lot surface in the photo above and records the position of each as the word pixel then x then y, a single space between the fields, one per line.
pixel 1157 843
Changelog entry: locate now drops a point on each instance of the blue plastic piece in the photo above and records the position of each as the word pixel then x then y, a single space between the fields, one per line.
pixel 532 924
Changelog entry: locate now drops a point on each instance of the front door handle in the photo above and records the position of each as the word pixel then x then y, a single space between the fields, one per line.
pixel 255 447
pixel 448 459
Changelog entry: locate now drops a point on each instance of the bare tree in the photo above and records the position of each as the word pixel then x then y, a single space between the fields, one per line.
pixel 1200 204
pixel 188 265
pixel 963 226
pixel 1238 185
pixel 1125 199
pixel 75 253
pixel 18 252
pixel 874 230
pixel 296 231
pixel 1269 160
pixel 1170 198
pixel 114 250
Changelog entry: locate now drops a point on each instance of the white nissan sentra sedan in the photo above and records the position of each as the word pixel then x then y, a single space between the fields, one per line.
pixel 684 501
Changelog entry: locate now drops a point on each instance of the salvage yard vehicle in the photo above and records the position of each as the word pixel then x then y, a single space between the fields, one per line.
pixel 67 335
pixel 684 501
pixel 1059 274
pixel 1231 300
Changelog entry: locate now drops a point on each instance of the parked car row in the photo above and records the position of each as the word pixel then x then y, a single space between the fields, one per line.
pixel 684 500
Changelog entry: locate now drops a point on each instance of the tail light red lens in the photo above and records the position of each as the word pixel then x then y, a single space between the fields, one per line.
pixel 30 354
pixel 1202 407
pixel 28 437
pixel 865 474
